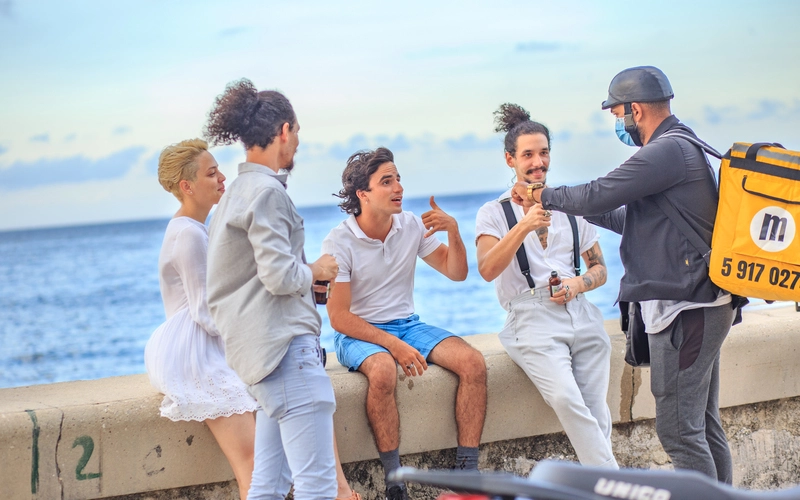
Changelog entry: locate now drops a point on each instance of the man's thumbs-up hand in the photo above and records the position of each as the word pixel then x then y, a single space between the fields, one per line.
pixel 437 220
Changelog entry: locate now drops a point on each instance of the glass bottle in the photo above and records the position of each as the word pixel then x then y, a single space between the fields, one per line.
pixel 554 282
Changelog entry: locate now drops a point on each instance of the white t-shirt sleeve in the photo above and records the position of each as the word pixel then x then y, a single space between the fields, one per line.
pixel 426 245
pixel 342 255
pixel 329 245
pixel 588 234
pixel 487 222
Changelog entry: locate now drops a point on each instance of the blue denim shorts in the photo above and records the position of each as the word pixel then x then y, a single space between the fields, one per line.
pixel 352 352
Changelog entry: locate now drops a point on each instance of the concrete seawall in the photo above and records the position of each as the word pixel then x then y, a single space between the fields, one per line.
pixel 104 438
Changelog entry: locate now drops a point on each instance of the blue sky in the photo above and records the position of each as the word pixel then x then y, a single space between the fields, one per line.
pixel 91 91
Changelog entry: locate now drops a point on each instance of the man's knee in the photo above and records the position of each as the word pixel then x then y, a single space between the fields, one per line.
pixel 459 357
pixel 561 403
pixel 381 372
pixel 473 368
pixel 672 438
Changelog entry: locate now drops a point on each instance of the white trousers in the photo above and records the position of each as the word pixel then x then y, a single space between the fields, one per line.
pixel 566 353
pixel 294 431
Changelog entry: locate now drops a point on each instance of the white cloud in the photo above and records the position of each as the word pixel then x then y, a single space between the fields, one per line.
pixel 49 171
pixel 410 75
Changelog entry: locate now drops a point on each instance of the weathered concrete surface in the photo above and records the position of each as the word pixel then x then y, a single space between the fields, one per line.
pixel 227 490
pixel 104 438
pixel 98 439
pixel 764 439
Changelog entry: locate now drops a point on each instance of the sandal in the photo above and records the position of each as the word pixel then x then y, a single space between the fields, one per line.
pixel 354 496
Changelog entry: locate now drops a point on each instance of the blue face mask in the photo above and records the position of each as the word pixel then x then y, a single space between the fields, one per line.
pixel 623 134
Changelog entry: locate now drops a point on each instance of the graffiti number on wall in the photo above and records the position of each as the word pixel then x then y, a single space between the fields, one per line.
pixel 34 452
pixel 87 443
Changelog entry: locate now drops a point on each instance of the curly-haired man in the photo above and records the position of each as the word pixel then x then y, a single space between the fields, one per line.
pixel 372 309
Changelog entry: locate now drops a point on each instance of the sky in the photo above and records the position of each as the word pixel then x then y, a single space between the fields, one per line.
pixel 92 91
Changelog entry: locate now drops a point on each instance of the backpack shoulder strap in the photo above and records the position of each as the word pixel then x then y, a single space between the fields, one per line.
pixel 576 245
pixel 683 226
pixel 702 145
pixel 694 140
pixel 522 258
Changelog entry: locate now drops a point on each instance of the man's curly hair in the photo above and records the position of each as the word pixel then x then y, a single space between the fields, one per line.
pixel 242 113
pixel 360 167
pixel 515 121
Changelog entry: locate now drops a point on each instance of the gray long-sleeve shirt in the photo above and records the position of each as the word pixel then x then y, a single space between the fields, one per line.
pixel 659 261
pixel 259 287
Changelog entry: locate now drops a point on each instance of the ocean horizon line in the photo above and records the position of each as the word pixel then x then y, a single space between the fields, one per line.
pixel 333 203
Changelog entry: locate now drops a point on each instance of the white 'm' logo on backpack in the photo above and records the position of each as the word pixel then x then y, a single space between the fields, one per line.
pixel 772 229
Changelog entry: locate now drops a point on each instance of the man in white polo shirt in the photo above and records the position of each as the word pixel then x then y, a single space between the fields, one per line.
pixel 372 307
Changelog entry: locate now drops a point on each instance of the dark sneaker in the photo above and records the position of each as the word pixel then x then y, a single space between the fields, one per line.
pixel 396 493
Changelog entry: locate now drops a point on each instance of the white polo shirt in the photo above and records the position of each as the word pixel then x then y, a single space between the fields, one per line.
pixel 380 273
pixel 491 220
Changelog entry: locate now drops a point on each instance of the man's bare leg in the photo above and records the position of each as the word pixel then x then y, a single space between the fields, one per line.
pixel 468 364
pixel 381 372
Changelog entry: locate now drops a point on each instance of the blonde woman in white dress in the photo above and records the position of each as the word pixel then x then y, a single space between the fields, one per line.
pixel 185 358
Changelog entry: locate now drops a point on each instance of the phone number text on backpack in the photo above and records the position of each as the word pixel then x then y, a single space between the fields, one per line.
pixel 752 271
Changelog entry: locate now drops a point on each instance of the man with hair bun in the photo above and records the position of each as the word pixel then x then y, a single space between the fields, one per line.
pixel 686 315
pixel 557 338
pixel 260 296
pixel 372 310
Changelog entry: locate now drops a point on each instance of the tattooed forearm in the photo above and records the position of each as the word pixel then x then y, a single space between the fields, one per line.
pixel 594 257
pixel 596 275
pixel 542 233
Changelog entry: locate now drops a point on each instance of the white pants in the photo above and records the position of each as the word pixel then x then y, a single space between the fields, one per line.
pixel 294 431
pixel 566 352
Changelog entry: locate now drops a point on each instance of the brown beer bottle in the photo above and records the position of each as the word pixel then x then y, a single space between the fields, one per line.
pixel 554 282
pixel 322 297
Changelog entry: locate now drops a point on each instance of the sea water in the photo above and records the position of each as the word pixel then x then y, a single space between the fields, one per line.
pixel 80 303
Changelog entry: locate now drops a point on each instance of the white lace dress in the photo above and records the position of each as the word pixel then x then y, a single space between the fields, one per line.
pixel 185 357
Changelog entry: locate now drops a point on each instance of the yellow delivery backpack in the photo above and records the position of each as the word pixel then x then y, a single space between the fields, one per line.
pixel 755 245
pixel 755 248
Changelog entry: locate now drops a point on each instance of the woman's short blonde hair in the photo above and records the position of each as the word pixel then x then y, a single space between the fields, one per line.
pixel 178 162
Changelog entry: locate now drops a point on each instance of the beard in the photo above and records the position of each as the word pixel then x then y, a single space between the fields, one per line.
pixel 288 164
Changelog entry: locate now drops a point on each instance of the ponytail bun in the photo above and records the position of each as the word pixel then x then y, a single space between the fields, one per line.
pixel 509 116
pixel 233 113
pixel 515 121
pixel 244 114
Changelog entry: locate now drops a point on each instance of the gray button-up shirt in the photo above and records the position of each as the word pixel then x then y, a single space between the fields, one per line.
pixel 259 287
